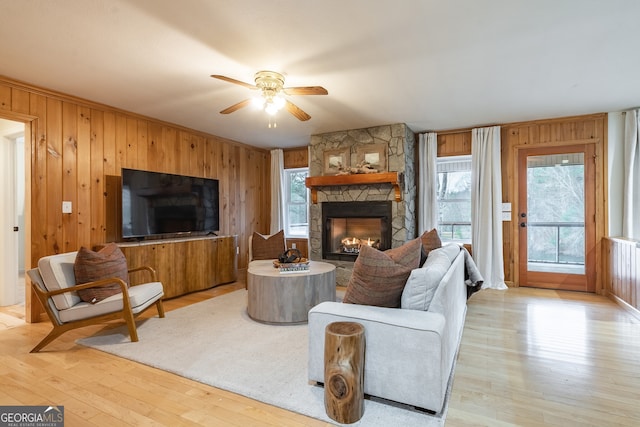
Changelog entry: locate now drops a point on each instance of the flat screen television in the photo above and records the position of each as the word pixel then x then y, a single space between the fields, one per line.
pixel 158 204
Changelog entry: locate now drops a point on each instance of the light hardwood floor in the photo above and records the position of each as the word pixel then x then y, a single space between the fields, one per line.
pixel 528 357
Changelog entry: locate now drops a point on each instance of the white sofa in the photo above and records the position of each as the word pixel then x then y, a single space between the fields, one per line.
pixel 409 353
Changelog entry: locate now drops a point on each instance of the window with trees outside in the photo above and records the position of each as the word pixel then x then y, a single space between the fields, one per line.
pixel 454 198
pixel 296 212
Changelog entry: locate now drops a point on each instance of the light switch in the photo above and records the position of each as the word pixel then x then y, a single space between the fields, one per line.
pixel 66 207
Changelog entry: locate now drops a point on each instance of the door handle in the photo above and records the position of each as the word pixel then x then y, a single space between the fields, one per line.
pixel 523 224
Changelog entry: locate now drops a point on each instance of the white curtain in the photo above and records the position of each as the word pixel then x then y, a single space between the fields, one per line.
pixel 486 206
pixel 631 197
pixel 277 191
pixel 428 177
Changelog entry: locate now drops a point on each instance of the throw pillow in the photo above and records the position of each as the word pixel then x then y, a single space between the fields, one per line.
pixel 378 278
pixel 90 266
pixel 430 241
pixel 267 247
pixel 423 282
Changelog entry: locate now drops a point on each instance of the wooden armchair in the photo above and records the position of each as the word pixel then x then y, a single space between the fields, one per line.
pixel 55 286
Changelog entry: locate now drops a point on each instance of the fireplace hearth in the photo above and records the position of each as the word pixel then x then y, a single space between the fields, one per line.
pixel 347 226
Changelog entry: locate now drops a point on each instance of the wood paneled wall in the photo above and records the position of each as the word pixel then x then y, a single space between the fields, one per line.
pixel 589 129
pixel 296 157
pixel 621 272
pixel 74 145
pixel 457 143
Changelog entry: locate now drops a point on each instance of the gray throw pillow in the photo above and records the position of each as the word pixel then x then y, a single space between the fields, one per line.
pixel 423 282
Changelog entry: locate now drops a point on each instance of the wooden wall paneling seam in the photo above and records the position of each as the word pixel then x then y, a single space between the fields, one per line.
pixel 38 213
pixel 225 188
pixel 83 184
pixel 110 147
pixel 154 146
pixel 197 159
pixel 185 153
pixel 55 180
pixel 70 176
pixel 142 144
pixel 97 179
pixel 243 201
pixel 121 143
pixel 234 199
pixel 131 143
pixel 169 143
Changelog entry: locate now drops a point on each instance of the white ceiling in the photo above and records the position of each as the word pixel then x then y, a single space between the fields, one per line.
pixel 431 64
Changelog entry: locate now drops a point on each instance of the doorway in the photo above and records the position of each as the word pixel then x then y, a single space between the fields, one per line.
pixel 556 217
pixel 12 216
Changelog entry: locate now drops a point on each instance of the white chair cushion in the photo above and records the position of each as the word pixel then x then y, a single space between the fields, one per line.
pixel 140 296
pixel 57 273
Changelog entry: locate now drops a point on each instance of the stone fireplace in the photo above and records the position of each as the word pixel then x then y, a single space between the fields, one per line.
pixel 401 203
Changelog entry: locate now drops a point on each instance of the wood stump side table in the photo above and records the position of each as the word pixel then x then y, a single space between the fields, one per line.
pixel 344 371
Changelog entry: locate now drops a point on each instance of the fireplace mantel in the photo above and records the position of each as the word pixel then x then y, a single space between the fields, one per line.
pixel 393 178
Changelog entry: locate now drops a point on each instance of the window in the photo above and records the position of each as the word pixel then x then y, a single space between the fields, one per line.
pixel 454 198
pixel 296 212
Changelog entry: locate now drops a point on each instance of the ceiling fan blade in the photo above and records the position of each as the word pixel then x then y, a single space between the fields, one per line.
pixel 234 81
pixel 305 90
pixel 236 107
pixel 297 112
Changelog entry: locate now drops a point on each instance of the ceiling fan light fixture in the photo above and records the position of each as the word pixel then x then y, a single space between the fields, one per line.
pixel 271 99
pixel 273 104
pixel 271 108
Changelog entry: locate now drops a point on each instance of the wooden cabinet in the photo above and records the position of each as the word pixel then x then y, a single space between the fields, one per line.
pixel 186 265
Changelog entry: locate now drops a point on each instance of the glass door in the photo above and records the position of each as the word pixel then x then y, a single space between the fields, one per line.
pixel 556 217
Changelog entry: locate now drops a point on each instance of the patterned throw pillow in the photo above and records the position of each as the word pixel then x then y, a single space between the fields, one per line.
pixel 106 263
pixel 267 248
pixel 430 241
pixel 378 278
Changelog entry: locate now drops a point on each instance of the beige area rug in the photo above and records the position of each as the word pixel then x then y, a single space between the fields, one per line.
pixel 216 343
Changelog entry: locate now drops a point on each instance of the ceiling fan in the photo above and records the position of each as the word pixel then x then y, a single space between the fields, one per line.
pixel 271 86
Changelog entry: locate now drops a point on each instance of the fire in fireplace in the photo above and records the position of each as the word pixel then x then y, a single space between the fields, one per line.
pixel 347 226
